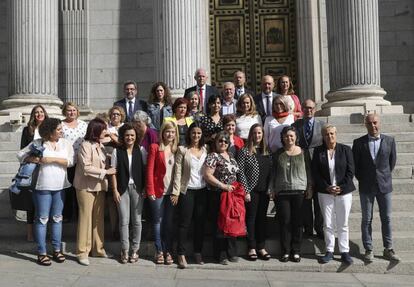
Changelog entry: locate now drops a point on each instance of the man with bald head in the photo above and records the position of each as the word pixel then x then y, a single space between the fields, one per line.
pixel 205 91
pixel 264 100
pixel 375 157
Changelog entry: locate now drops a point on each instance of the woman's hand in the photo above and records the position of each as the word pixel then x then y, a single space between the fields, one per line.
pixel 174 199
pixel 32 159
pixel 273 195
pixel 309 193
pixel 117 197
pixel 152 197
pixel 247 198
pixel 111 171
pixel 227 187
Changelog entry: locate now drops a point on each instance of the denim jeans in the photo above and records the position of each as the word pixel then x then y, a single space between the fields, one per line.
pixel 367 209
pixel 162 220
pixel 48 204
pixel 130 212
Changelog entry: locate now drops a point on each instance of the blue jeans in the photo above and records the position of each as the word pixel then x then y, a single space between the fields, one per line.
pixel 162 219
pixel 48 204
pixel 367 209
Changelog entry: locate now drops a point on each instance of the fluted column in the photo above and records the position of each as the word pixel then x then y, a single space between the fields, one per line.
pixel 181 41
pixel 33 50
pixel 74 76
pixel 354 63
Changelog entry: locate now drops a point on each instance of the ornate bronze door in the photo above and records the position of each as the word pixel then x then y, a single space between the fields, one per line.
pixel 255 36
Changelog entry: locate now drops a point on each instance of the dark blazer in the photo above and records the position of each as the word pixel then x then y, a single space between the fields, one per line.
pixel 374 175
pixel 260 108
pixel 246 91
pixel 210 90
pixel 122 170
pixel 316 134
pixel 344 168
pixel 139 105
pixel 26 138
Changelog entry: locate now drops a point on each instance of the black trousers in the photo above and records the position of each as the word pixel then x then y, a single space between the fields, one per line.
pixel 256 211
pixel 70 209
pixel 222 245
pixel 192 206
pixel 312 218
pixel 289 208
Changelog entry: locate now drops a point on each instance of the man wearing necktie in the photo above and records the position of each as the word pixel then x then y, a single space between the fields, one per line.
pixel 309 132
pixel 239 81
pixel 375 158
pixel 130 103
pixel 205 91
pixel 264 100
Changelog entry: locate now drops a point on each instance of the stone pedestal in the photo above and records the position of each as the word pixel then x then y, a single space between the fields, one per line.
pixel 181 42
pixel 354 64
pixel 33 50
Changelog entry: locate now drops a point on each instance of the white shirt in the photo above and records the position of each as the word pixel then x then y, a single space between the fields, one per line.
pixel 114 130
pixel 196 176
pixel 228 108
pixel 374 146
pixel 331 162
pixel 244 123
pixel 272 129
pixel 53 176
pixel 114 163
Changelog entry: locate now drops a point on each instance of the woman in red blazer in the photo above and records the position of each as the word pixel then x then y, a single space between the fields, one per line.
pixel 160 165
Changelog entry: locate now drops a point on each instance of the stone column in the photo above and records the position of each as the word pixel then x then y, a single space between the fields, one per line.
pixel 33 54
pixel 181 42
pixel 74 60
pixel 354 64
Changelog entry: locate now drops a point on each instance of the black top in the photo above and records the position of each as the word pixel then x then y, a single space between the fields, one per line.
pixel 182 131
pixel 122 170
pixel 265 163
pixel 26 137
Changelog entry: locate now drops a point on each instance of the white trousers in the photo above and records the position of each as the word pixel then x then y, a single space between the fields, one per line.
pixel 335 211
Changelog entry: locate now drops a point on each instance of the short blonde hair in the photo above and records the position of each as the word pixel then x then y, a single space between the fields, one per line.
pixel 284 100
pixel 168 125
pixel 67 105
pixel 327 127
pixel 120 110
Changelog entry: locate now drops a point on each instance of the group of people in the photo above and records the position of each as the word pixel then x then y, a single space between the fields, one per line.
pixel 206 155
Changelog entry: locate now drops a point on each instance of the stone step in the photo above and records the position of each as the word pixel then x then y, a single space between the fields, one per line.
pixel 359 119
pixel 5 179
pixel 244 273
pixel 9 167
pixel 400 202
pixel 402 171
pixel 399 137
pixel 403 241
pixel 8 156
pixel 11 137
pixel 9 146
pixel 386 128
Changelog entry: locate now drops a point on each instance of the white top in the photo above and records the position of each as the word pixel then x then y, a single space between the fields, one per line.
pixel 244 123
pixel 196 176
pixel 114 130
pixel 114 162
pixel 52 176
pixel 374 146
pixel 272 129
pixel 75 135
pixel 331 162
pixel 36 134
pixel 228 108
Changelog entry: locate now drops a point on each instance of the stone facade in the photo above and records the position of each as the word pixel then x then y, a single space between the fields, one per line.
pixel 121 47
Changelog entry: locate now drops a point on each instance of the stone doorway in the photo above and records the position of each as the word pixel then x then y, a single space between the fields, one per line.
pixel 255 36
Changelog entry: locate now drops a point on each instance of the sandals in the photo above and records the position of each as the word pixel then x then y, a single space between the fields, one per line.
pixel 159 258
pixel 58 257
pixel 264 256
pixel 134 257
pixel 124 257
pixel 43 260
pixel 168 260
pixel 252 256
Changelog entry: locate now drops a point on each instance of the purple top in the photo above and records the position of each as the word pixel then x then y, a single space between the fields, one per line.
pixel 150 137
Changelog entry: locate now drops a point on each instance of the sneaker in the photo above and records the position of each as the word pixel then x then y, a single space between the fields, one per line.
pixel 389 254
pixel 346 258
pixel 326 258
pixel 369 256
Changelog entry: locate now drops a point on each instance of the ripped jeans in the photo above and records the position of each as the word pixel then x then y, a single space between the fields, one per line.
pixel 48 205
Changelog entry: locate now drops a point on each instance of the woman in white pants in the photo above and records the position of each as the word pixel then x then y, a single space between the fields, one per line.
pixel 333 170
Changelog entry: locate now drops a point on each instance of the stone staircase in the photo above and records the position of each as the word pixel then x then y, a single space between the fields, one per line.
pixel 12 233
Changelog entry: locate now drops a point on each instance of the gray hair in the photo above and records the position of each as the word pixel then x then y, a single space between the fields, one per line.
pixel 141 116
pixel 327 127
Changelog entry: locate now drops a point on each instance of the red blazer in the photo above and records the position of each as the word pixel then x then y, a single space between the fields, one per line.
pixel 238 142
pixel 155 171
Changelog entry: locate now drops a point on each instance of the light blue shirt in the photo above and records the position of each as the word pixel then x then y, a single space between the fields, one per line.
pixel 374 146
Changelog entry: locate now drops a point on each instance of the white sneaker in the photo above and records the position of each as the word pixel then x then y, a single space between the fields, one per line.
pixel 84 262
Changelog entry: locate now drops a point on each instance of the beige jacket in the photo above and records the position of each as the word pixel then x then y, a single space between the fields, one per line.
pixel 90 169
pixel 182 170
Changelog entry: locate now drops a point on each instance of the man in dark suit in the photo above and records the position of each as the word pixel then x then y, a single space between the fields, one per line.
pixel 264 100
pixel 131 103
pixel 204 90
pixel 239 81
pixel 375 157
pixel 309 132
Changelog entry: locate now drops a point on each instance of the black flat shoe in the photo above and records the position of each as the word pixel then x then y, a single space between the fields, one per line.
pixel 284 258
pixel 296 258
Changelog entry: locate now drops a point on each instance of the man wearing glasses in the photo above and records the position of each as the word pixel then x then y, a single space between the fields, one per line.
pixel 130 103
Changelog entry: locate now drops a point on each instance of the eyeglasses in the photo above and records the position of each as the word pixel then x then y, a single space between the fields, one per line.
pixel 223 141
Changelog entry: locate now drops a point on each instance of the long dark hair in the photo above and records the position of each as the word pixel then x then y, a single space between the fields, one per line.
pixel 188 135
pixel 167 94
pixel 32 124
pixel 94 130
